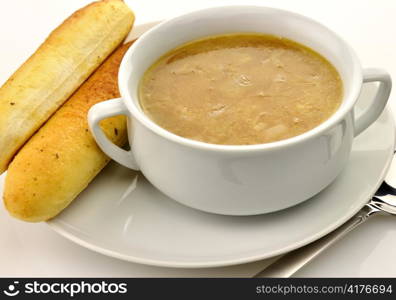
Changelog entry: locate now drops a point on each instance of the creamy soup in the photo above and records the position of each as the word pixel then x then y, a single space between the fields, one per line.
pixel 240 89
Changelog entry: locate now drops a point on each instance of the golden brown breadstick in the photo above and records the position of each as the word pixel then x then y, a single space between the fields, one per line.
pixel 58 67
pixel 59 161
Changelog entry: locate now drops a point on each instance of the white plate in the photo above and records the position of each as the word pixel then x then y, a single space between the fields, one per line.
pixel 122 215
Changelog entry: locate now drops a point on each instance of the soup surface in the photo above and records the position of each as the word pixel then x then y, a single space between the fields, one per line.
pixel 240 89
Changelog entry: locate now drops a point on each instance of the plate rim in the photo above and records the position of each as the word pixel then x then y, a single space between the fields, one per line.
pixel 56 227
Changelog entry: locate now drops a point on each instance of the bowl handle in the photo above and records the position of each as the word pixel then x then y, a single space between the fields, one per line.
pixel 103 110
pixel 381 98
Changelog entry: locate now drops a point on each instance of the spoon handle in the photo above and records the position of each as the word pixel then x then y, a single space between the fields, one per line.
pixel 290 263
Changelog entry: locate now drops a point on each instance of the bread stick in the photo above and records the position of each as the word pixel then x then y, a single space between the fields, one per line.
pixel 59 161
pixel 58 67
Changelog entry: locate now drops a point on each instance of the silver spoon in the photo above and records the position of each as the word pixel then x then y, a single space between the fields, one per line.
pixel 384 201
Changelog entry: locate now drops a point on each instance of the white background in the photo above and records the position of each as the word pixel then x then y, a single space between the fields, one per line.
pixel 34 250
